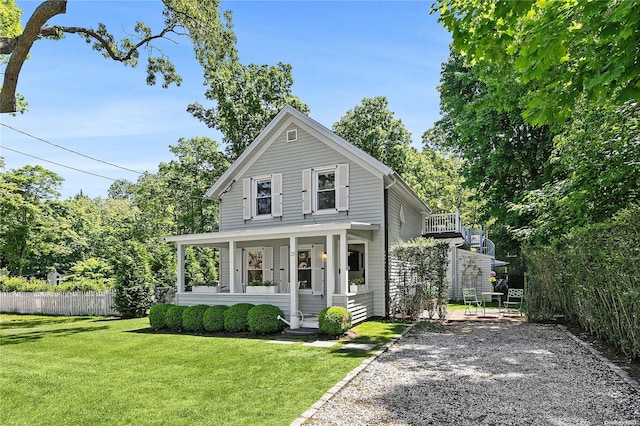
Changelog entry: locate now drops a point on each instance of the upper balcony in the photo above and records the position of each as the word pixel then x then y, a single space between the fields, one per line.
pixel 449 225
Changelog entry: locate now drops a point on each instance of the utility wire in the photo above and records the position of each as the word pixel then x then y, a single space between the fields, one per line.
pixel 58 164
pixel 69 150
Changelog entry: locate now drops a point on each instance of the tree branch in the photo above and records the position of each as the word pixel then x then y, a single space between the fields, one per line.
pixel 41 15
pixel 116 55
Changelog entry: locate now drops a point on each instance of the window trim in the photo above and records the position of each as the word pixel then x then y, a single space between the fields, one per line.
pixel 316 190
pixel 254 196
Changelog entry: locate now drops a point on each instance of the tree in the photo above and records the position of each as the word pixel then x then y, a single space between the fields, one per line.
pixel 198 166
pixel 134 282
pixel 599 155
pixel 210 34
pixel 505 157
pixel 247 98
pixel 26 215
pixel 594 50
pixel 371 126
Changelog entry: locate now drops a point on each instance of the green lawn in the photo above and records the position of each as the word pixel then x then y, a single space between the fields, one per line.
pixel 88 371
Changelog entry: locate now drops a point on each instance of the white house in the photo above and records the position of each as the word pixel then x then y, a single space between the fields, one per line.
pixel 306 210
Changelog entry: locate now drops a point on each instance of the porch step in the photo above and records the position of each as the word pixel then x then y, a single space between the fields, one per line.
pixel 303 331
pixel 310 322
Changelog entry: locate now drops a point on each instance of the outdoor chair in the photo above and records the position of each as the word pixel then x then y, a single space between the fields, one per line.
pixel 515 298
pixel 470 298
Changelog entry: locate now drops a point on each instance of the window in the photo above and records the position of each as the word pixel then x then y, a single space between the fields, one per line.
pixel 292 135
pixel 326 190
pixel 254 266
pixel 262 191
pixel 262 197
pixel 304 269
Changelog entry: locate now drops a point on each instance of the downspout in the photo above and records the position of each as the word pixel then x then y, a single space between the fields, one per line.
pixel 387 284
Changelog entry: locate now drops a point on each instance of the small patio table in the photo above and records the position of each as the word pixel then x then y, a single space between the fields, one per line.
pixel 491 294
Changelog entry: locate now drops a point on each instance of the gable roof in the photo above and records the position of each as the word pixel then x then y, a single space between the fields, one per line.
pixel 282 119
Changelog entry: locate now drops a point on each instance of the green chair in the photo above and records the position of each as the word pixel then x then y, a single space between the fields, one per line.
pixel 515 298
pixel 470 298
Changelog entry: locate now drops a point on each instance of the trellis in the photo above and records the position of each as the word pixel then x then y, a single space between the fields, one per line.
pixel 418 278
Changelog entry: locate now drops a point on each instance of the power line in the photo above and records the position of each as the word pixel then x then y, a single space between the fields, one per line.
pixel 69 150
pixel 58 164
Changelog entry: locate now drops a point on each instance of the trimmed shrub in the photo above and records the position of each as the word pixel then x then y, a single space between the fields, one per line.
pixel 157 315
pixel 213 318
pixel 173 317
pixel 263 319
pixel 235 318
pixel 334 320
pixel 192 317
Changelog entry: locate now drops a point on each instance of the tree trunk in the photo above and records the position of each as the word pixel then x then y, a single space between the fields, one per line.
pixel 40 16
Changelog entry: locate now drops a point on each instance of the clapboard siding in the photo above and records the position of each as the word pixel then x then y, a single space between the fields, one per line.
pixel 310 304
pixel 290 158
pixel 411 227
pixel 360 305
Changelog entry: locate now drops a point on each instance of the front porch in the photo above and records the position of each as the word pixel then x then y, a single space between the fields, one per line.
pixel 319 259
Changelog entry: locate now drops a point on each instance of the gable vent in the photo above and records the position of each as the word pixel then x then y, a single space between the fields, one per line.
pixel 292 135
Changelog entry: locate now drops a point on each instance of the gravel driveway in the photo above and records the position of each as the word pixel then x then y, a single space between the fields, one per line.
pixel 485 374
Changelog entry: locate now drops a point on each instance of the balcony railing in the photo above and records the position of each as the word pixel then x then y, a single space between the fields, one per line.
pixel 446 224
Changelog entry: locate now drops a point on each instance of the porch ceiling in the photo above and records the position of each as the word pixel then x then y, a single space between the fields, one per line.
pixel 361 230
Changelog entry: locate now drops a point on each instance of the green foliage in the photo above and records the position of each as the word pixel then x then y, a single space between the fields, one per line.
pixel 372 127
pixel 192 318
pixel 92 268
pixel 598 152
pixel 134 282
pixel 247 98
pixel 591 276
pixel 505 158
pixel 173 318
pixel 263 319
pixel 83 284
pixel 334 320
pixel 213 318
pixel 257 283
pixel 28 224
pixel 22 284
pixel 420 277
pixel 158 315
pixel 235 318
pixel 593 51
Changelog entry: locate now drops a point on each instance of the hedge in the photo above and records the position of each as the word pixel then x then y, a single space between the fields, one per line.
pixel 334 320
pixel 213 318
pixel 173 318
pixel 192 318
pixel 591 276
pixel 235 318
pixel 157 315
pixel 263 319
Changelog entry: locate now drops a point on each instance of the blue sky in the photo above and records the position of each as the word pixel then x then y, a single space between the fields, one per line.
pixel 341 52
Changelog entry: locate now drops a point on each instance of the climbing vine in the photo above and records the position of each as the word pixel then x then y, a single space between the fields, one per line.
pixel 419 278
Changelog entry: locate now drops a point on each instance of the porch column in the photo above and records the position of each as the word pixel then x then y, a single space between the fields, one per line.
pixel 232 266
pixel 294 321
pixel 180 283
pixel 344 273
pixel 331 269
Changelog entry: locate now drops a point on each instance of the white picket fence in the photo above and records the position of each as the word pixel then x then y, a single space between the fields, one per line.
pixel 98 303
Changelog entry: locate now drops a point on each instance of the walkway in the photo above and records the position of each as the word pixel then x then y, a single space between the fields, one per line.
pixel 485 373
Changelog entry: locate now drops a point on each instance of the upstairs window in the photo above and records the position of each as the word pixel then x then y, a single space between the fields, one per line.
pixel 262 189
pixel 325 189
pixel 262 197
